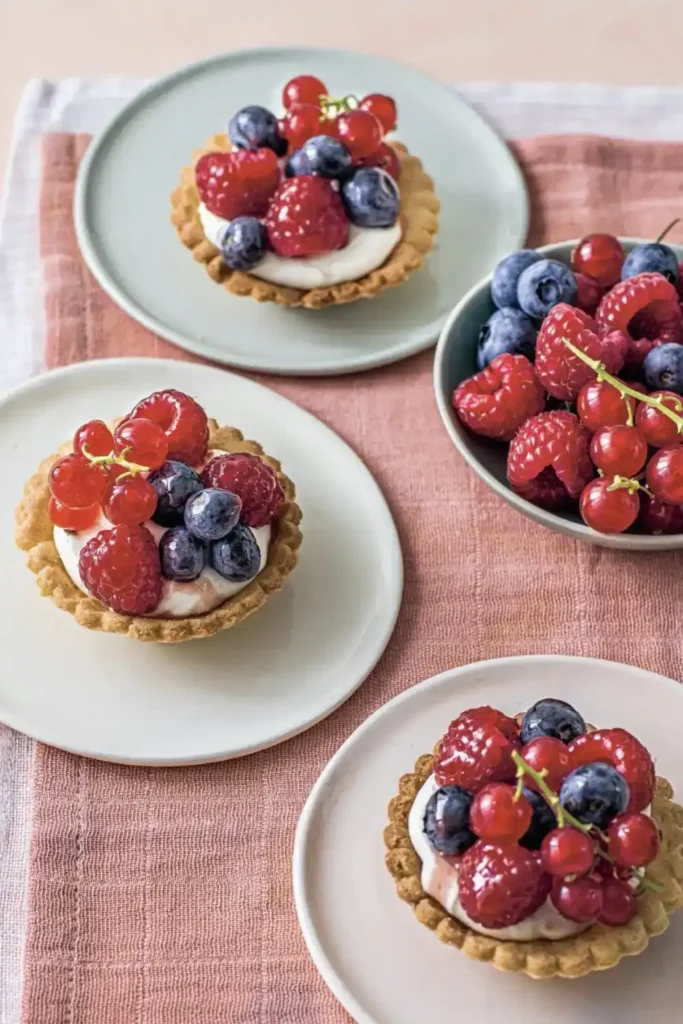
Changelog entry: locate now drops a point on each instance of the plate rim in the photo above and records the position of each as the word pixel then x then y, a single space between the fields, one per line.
pixel 388 527
pixel 88 248
pixel 305 825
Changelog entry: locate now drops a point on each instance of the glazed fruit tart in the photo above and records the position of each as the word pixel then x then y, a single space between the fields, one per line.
pixel 539 844
pixel 314 209
pixel 164 526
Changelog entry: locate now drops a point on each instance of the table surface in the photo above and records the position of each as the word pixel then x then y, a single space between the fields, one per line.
pixel 616 41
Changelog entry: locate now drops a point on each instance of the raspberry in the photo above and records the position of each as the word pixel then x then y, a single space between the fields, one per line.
pixel 183 421
pixel 560 371
pixel 239 183
pixel 306 217
pixel 477 749
pixel 630 299
pixel 501 885
pixel 121 568
pixel 550 441
pixel 625 753
pixel 252 480
pixel 497 401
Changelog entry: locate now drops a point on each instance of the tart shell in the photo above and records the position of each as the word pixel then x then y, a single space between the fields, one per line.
pixel 34 535
pixel 595 949
pixel 419 221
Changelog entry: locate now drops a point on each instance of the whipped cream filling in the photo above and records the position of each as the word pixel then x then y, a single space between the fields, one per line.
pixel 367 249
pixel 440 879
pixel 178 599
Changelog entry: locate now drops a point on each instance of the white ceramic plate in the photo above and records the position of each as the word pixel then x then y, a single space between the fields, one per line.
pixel 381 963
pixel 285 668
pixel 122 211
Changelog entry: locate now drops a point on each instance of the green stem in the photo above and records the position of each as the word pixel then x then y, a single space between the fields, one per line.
pixel 115 460
pixel 625 483
pixel 332 106
pixel 563 816
pixel 667 229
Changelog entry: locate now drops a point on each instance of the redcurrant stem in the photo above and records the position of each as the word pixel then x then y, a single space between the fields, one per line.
pixel 115 460
pixel 623 389
pixel 667 229
pixel 625 483
pixel 332 106
pixel 559 811
pixel 648 883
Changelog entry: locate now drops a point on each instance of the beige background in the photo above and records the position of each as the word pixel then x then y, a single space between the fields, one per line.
pixel 633 41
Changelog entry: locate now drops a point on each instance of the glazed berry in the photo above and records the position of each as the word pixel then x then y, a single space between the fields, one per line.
pixel 244 243
pixel 548 755
pixel 76 482
pixel 303 89
pixel 633 840
pixel 129 500
pixel 301 123
pixel 477 749
pixel 383 107
pixel 566 851
pixel 183 421
pixel 543 820
pixel 659 430
pixel 497 401
pixel 653 258
pixel 552 717
pixel 306 217
pixel 619 450
pixel 256 128
pixel 236 557
pixel 141 441
pixel 506 275
pixel 624 752
pixel 95 437
pixel 599 404
pixel 212 513
pixel 664 475
pixel 600 257
pixel 447 821
pixel 619 903
pixel 656 517
pixel 663 368
pixel 182 555
pixel 73 518
pixel 580 900
pixel 501 885
pixel 543 285
pixel 594 794
pixel 121 568
pixel 628 298
pixel 589 294
pixel 506 330
pixel 252 480
pixel 327 156
pixel 360 131
pixel 560 371
pixel 385 157
pixel 607 507
pixel 297 164
pixel 555 441
pixel 174 483
pixel 371 198
pixel 497 816
pixel 237 184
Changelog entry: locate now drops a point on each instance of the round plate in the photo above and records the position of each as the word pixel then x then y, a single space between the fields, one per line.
pixel 283 669
pixel 380 962
pixel 122 211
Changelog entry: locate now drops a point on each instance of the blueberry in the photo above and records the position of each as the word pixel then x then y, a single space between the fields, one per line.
pixel 551 717
pixel 255 128
pixel 542 285
pixel 297 164
pixel 244 243
pixel 447 820
pixel 506 330
pixel 237 556
pixel 653 257
pixel 506 276
pixel 543 820
pixel 595 793
pixel 182 555
pixel 212 513
pixel 663 368
pixel 371 198
pixel 174 482
pixel 327 157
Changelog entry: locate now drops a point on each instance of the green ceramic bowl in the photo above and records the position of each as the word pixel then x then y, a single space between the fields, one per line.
pixel 456 359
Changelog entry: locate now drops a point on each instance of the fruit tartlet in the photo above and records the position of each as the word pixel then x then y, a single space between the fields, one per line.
pixel 164 526
pixel 313 209
pixel 538 843
pixel 581 373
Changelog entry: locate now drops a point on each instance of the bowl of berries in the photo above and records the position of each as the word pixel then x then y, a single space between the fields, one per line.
pixel 559 379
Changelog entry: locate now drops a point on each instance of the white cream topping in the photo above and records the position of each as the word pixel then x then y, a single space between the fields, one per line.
pixel 440 880
pixel 178 600
pixel 367 249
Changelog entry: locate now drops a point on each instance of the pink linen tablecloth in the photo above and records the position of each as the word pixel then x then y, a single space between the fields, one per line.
pixel 163 896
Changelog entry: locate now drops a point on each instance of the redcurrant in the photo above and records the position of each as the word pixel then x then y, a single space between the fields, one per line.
pixel 497 816
pixel 619 450
pixel 600 257
pixel 658 429
pixel 619 905
pixel 360 132
pixel 580 900
pixel 383 107
pixel 605 510
pixel 566 851
pixel 656 517
pixel 76 482
pixel 590 293
pixel 73 518
pixel 129 501
pixel 633 840
pixel 550 755
pixel 664 475
pixel 301 123
pixel 599 404
pixel 386 157
pixel 143 442
pixel 96 437
pixel 303 89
